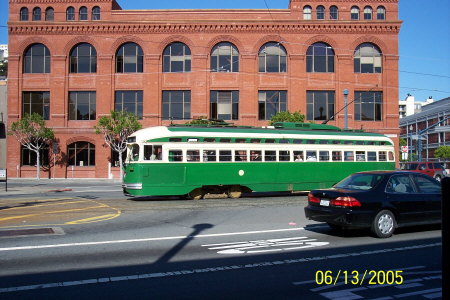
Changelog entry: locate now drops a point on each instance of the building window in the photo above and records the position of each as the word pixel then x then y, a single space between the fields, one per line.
pixel 83 14
pixel 83 59
pixel 36 14
pixel 320 58
pixel 354 13
pixel 367 13
pixel 36 102
pixel 272 58
pixel 381 13
pixel 367 59
pixel 130 101
pixel 176 105
pixel 70 14
pixel 270 103
pixel 319 105
pixel 82 105
pixel 307 13
pixel 29 158
pixel 224 58
pixel 115 158
pixel 368 106
pixel 49 14
pixel 334 13
pixel 177 58
pixel 37 59
pixel 24 14
pixel 320 12
pixel 130 59
pixel 224 105
pixel 95 13
pixel 81 154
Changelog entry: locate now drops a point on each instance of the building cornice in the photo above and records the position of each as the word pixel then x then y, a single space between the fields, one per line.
pixel 24 2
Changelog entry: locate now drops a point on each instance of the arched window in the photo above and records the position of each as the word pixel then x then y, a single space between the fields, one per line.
pixel 49 14
pixel 224 58
pixel 354 13
pixel 320 11
pixel 95 13
pixel 367 59
pixel 334 13
pixel 367 13
pixel 129 59
pixel 381 13
pixel 83 14
pixel 320 58
pixel 70 14
pixel 36 14
pixel 24 14
pixel 83 59
pixel 307 13
pixel 36 59
pixel 272 58
pixel 81 154
pixel 177 58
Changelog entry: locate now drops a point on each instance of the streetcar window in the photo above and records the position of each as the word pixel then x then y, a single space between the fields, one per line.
pixel 336 155
pixel 131 139
pixel 359 142
pixel 225 155
pixel 192 155
pixel 148 150
pixel 175 155
pixel 310 141
pixel 225 140
pixel 255 155
pixel 192 140
pixel 270 141
pixel 134 153
pixel 311 155
pixel 209 155
pixel 324 156
pixel 335 142
pixel 360 156
pixel 382 156
pixel 255 141
pixel 349 156
pixel 323 142
pixel 370 143
pixel 209 140
pixel 240 140
pixel 348 142
pixel 285 155
pixel 298 141
pixel 240 155
pixel 298 155
pixel 270 155
pixel 174 139
pixel 284 141
pixel 391 156
pixel 371 156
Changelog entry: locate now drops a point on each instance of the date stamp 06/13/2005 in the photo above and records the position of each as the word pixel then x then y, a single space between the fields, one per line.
pixel 355 277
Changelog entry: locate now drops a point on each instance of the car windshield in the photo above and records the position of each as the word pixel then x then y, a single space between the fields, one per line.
pixel 359 182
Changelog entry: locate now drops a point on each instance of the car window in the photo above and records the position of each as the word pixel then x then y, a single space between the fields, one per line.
pixel 422 167
pixel 412 166
pixel 399 184
pixel 438 166
pixel 359 182
pixel 427 185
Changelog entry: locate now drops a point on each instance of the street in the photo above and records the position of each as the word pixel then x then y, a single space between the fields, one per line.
pixel 88 240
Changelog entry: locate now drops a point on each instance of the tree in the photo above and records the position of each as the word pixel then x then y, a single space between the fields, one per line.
pixel 202 120
pixel 115 129
pixel 4 69
pixel 442 152
pixel 32 133
pixel 286 116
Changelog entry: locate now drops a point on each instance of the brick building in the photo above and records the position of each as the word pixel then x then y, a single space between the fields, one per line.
pixel 74 61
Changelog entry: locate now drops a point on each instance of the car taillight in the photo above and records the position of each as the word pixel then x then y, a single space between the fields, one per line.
pixel 346 202
pixel 313 199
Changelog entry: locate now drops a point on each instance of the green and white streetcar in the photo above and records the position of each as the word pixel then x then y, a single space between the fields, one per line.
pixel 195 160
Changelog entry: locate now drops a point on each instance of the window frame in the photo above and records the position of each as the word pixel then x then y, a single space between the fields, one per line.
pixel 168 104
pixel 265 59
pixel 122 60
pixel 49 14
pixel 74 105
pixel 354 13
pixel 314 58
pixel 170 60
pixel 369 61
pixel 334 12
pixel 368 13
pixel 218 96
pixel 121 101
pixel 76 150
pixel 230 59
pixel 37 14
pixel 75 58
pixel 24 14
pixel 96 13
pixel 320 12
pixel 70 13
pixel 311 104
pixel 29 59
pixel 280 103
pixel 374 98
pixel 83 14
pixel 31 159
pixel 381 13
pixel 307 12
pixel 36 99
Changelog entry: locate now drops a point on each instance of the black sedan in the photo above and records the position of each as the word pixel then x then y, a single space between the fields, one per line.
pixel 379 200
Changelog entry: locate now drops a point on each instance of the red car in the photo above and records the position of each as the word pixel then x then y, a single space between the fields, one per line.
pixel 432 169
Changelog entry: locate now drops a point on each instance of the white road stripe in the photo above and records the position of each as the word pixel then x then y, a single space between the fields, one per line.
pixel 212 269
pixel 145 240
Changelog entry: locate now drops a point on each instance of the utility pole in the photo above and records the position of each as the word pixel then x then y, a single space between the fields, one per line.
pixel 345 109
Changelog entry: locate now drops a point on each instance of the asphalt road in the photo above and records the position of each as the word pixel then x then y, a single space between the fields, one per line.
pixel 89 242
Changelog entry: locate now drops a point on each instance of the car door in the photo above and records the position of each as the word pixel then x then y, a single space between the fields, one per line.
pixel 430 191
pixel 403 196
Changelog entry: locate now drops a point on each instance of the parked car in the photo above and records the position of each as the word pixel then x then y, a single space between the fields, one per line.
pixel 433 169
pixel 379 200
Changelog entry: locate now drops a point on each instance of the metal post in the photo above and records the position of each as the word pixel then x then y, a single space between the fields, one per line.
pixel 345 109
pixel 410 142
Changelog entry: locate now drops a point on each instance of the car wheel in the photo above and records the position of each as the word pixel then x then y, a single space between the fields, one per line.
pixel 383 224
pixel 438 178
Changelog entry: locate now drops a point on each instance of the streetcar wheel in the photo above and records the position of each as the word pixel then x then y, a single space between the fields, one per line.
pixel 196 194
pixel 234 192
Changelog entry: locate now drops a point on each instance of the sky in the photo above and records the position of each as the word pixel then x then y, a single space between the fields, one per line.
pixel 424 39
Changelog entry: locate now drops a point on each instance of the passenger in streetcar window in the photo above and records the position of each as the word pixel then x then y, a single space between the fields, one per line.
pixel 255 156
pixel 298 155
pixel 157 153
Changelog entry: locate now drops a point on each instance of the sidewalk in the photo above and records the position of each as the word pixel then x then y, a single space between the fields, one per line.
pixel 27 186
